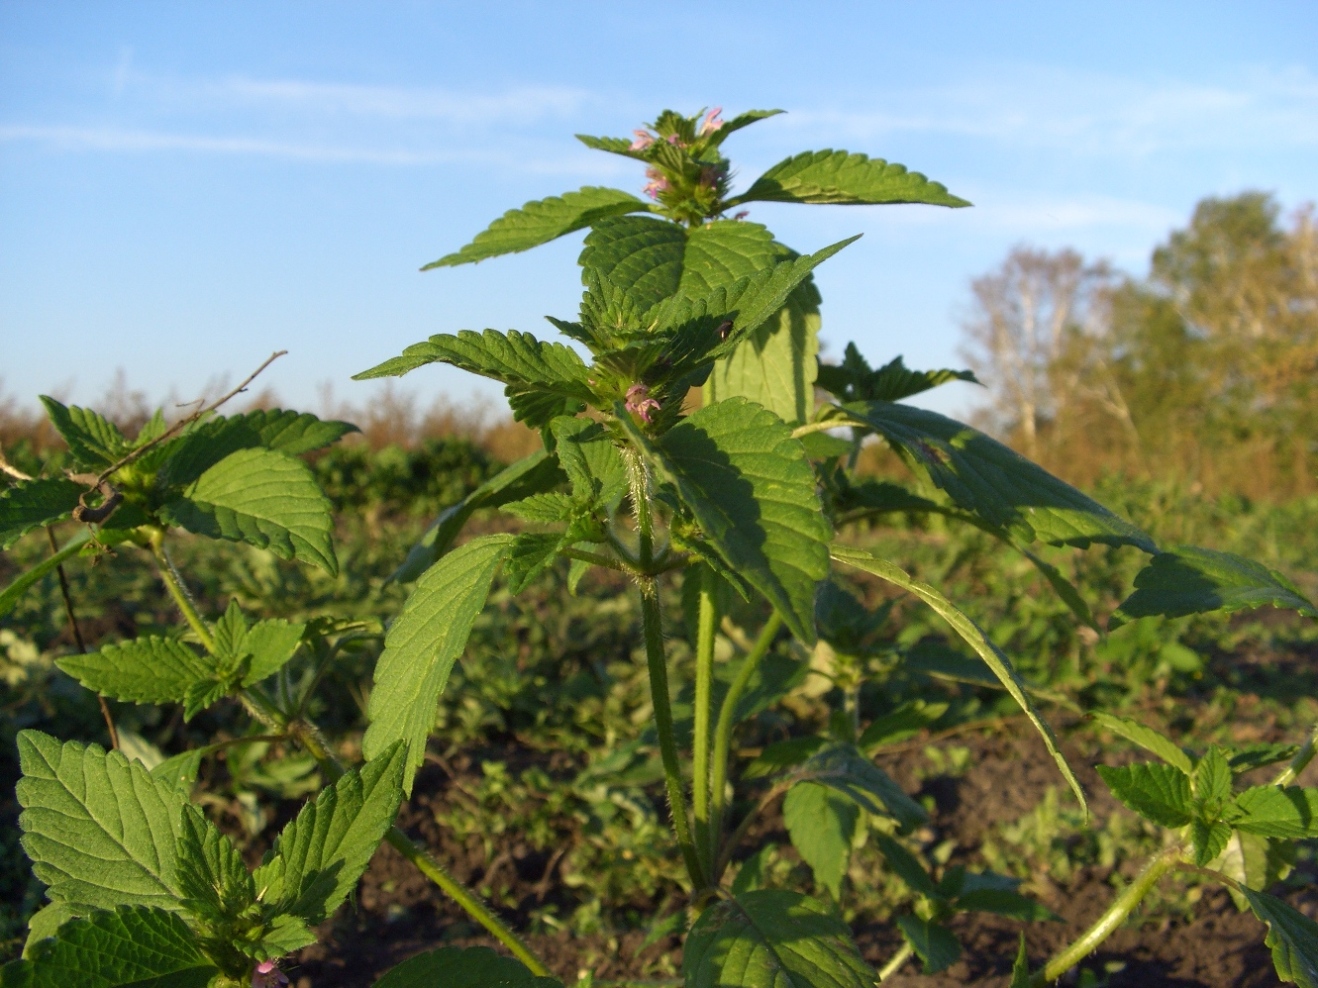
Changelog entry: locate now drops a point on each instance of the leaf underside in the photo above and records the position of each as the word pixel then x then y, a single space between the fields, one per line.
pixel 844 179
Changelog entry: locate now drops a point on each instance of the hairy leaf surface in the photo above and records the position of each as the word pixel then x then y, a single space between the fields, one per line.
pixel 770 938
pixel 30 504
pixel 1148 739
pixel 145 670
pixel 100 831
pixel 822 823
pixel 422 645
pixel 264 498
pixel 1159 793
pixel 94 440
pixel 1276 811
pixel 541 221
pixel 844 179
pixel 1292 936
pixel 1191 580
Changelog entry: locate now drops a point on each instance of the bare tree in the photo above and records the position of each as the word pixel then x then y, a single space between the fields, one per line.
pixel 1022 315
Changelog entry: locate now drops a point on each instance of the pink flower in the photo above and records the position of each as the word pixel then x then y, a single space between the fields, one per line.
pixel 267 975
pixel 640 403
pixel 674 140
pixel 712 121
pixel 741 214
pixel 643 140
pixel 658 183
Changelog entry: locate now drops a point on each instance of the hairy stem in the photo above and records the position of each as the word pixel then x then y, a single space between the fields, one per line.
pixel 705 839
pixel 897 960
pixel 1116 914
pixel 1299 762
pixel 309 736
pixel 77 633
pixel 718 780
pixel 652 627
pixel 179 591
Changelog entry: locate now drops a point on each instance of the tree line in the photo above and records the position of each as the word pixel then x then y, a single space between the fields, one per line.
pixel 1205 371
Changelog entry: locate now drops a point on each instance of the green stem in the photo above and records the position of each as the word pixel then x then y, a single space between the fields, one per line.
pixel 1299 762
pixel 705 840
pixel 898 959
pixel 310 737
pixel 652 627
pixel 718 781
pixel 1116 914
pixel 179 591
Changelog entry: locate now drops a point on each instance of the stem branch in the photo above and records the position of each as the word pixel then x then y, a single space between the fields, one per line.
pixel 898 959
pixel 705 838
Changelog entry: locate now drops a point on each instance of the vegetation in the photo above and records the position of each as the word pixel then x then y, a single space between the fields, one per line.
pixel 698 620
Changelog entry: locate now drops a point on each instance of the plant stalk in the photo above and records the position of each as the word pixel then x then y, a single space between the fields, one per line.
pixel 706 840
pixel 309 736
pixel 897 960
pixel 1116 914
pixel 179 591
pixel 718 781
pixel 652 628
pixel 1299 762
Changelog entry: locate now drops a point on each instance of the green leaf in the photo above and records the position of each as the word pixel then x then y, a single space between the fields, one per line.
pixel 319 856
pixel 1020 969
pixel 778 756
pixel 777 364
pixel 770 938
pixel 1292 936
pixel 269 645
pixel 1212 776
pixel 529 475
pixel 1209 839
pixel 30 504
pixel 1191 580
pixel 459 967
pixel 1276 811
pixel 639 255
pixel 822 824
pixel 844 179
pixel 422 645
pixel 843 768
pixel 1159 793
pixel 94 441
pixel 212 878
pixel 1004 902
pixel 590 458
pixel 995 483
pixel 131 947
pixel 933 942
pixel 738 122
pixel 751 489
pixel 264 498
pixel 145 670
pixel 855 380
pixel 903 722
pixel 180 771
pixel 13 593
pixel 544 508
pixel 541 221
pixel 906 865
pixel 530 555
pixel 974 636
pixel 205 444
pixel 1147 738
pixel 99 830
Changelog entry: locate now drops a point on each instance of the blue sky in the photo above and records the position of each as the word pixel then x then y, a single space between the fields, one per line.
pixel 185 187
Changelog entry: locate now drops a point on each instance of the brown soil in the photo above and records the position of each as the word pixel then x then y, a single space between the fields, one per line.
pixel 399 913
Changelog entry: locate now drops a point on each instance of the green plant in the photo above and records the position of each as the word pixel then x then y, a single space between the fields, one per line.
pixel 747 502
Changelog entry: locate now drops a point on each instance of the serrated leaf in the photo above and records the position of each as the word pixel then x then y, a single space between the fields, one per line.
pixel 1209 839
pixel 1259 754
pixel 131 947
pixel 843 768
pixel 770 938
pixel 904 722
pixel 995 483
pixel 1159 793
pixel 529 475
pixel 778 756
pixel 751 489
pixel 318 857
pixel 1276 811
pixel 933 942
pixel 639 255
pixel 541 221
pixel 776 365
pixel 94 440
pixel 30 504
pixel 855 380
pixel 906 865
pixel 544 508
pixel 99 829
pixel 1212 776
pixel 187 457
pixel 975 637
pixel 269 645
pixel 264 498
pixel 590 458
pixel 422 645
pixel 145 670
pixel 212 878
pixel 1191 580
pixel 1292 936
pixel 206 693
pixel 822 824
pixel 738 122
pixel 844 179
pixel 459 967
pixel 529 556
pixel 180 771
pixel 1147 738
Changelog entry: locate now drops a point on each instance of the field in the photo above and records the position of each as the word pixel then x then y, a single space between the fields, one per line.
pixel 542 789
